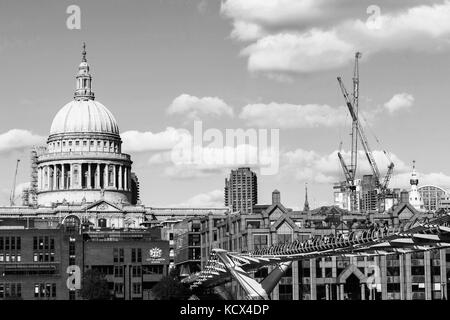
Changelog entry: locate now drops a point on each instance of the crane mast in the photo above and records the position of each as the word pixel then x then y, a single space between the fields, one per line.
pixel 13 191
pixel 354 152
pixel 361 133
pixel 357 131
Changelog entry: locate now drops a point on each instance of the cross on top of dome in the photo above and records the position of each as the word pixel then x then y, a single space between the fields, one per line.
pixel 84 52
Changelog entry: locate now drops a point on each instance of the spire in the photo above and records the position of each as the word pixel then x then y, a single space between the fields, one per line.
pixel 306 206
pixel 414 180
pixel 84 79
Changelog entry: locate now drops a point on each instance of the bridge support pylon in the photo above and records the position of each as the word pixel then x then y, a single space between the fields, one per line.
pixel 253 289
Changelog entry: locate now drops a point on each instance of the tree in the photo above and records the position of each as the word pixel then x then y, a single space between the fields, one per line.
pixel 170 288
pixel 94 286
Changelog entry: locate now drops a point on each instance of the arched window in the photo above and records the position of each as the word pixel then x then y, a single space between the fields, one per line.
pixel 101 223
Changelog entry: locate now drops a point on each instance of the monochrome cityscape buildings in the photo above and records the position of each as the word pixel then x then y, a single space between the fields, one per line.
pixel 83 209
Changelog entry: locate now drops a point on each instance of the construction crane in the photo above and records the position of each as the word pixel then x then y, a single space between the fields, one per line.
pixel 348 175
pixel 350 171
pixel 354 150
pixel 379 181
pixel 13 191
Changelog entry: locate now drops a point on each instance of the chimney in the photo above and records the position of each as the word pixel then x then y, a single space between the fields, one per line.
pixel 276 199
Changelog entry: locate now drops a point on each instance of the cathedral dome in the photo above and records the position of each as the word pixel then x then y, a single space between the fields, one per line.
pixel 84 116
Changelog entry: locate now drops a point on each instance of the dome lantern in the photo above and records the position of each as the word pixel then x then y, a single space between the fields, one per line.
pixel 84 80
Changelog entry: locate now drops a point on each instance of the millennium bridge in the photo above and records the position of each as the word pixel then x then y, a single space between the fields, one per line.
pixel 222 266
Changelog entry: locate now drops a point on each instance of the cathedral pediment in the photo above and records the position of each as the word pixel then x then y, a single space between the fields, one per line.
pixel 103 206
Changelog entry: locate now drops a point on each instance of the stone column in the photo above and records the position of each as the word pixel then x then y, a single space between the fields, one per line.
pixel 338 294
pixel 327 292
pixel 48 177
pixel 342 291
pixel 115 176
pixel 125 179
pixel 120 178
pixel 55 170
pixel 80 176
pixel 70 186
pixel 97 176
pixel 129 178
pixel 63 178
pixel 363 291
pixel 106 175
pixel 89 179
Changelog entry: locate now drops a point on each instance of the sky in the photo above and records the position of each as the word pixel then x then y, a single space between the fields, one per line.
pixel 161 65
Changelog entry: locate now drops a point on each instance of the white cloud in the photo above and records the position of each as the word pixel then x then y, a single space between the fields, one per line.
pixel 135 141
pixel 399 101
pixel 210 160
pixel 308 52
pixel 324 37
pixel 284 115
pixel 194 108
pixel 17 139
pixel 5 194
pixel 210 199
pixel 311 166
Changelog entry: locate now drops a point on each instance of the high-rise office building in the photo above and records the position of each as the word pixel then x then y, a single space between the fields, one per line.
pixel 241 190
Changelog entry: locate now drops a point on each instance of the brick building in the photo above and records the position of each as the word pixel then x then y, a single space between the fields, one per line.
pixel 422 275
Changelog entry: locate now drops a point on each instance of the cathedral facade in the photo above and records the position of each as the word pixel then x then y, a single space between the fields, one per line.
pixel 82 171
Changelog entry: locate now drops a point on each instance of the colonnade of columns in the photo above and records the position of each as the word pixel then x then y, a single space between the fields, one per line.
pixel 67 176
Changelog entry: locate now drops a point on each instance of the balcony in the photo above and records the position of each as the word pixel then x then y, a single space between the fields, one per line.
pixel 23 269
pixel 82 155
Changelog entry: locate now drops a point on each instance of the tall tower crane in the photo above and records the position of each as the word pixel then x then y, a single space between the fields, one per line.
pixel 12 199
pixel 350 170
pixel 379 181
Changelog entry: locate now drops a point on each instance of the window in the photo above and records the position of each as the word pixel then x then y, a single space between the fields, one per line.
pixel 121 255
pixel 283 238
pixel 139 255
pixel 260 241
pixel 153 269
pixel 133 255
pixel 393 287
pixel 118 288
pixel 102 223
pixel 137 288
pixel 116 254
pixel 43 249
pixel 13 290
pixel 136 271
pixel 118 271
pixel 418 271
pixel 44 290
pixel 285 291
